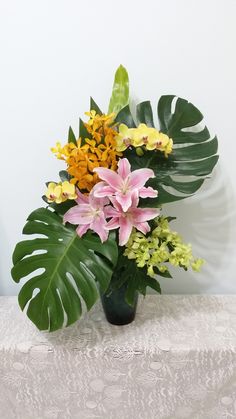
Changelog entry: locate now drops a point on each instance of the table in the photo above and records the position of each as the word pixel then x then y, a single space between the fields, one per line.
pixel 177 360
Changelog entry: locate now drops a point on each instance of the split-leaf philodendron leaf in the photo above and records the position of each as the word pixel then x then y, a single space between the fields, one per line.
pixel 194 151
pixel 71 270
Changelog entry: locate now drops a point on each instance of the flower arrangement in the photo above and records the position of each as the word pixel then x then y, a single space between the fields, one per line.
pixel 103 218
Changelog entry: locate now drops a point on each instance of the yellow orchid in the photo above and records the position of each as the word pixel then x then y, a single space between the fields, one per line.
pixel 54 193
pixel 68 190
pixel 60 192
pixel 125 137
pixel 143 136
pixel 160 142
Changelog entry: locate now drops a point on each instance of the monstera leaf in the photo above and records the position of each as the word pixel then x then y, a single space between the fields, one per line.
pixel 72 269
pixel 194 151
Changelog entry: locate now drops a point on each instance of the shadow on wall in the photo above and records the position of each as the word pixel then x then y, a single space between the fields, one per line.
pixel 208 221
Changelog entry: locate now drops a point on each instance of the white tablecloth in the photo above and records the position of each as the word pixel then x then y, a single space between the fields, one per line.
pixel 177 360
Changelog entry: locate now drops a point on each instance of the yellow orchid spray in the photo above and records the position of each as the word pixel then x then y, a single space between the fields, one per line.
pixel 143 136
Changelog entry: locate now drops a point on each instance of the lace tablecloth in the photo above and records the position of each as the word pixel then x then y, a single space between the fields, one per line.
pixel 177 360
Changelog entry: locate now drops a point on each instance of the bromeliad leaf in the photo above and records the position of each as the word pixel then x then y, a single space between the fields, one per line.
pixel 194 151
pixel 73 269
pixel 120 93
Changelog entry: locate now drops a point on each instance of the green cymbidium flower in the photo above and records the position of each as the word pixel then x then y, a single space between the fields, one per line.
pixel 161 246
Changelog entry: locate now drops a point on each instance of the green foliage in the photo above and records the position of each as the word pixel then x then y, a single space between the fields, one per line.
pixel 94 106
pixel 194 152
pixel 137 279
pixel 120 91
pixel 73 269
pixel 71 136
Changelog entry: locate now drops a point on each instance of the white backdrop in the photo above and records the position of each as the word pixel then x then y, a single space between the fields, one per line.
pixel 55 54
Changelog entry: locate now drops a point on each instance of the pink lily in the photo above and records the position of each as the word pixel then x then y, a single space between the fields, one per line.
pixel 125 221
pixel 124 184
pixel 88 214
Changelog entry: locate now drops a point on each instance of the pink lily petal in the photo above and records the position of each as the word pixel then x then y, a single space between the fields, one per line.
pixel 125 200
pixel 139 177
pixel 104 191
pixel 81 230
pixel 79 214
pixel 81 198
pixel 135 198
pixel 95 201
pixel 125 230
pixel 112 224
pixel 144 214
pixel 115 204
pixel 147 192
pixel 99 226
pixel 143 227
pixel 112 178
pixel 123 168
pixel 109 211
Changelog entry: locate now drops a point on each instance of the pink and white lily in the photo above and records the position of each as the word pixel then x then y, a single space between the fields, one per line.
pixel 125 221
pixel 124 184
pixel 88 214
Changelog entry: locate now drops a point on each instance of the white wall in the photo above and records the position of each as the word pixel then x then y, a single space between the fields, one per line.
pixel 56 53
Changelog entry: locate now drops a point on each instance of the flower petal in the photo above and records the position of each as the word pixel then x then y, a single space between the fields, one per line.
pixel 81 230
pixel 110 212
pixel 99 227
pixel 125 200
pixel 125 230
pixel 79 214
pixel 112 224
pixel 112 178
pixel 148 192
pixel 116 204
pixel 81 198
pixel 104 191
pixel 139 177
pixel 123 168
pixel 140 215
pixel 143 227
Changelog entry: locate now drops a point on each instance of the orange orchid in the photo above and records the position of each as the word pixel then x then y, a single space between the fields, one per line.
pixel 97 151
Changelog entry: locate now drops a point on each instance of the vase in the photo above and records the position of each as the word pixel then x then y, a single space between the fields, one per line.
pixel 116 309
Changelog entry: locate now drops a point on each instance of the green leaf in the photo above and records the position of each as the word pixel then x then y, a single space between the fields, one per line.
pixel 144 114
pixel 120 92
pixel 72 269
pixel 71 136
pixel 64 175
pixel 194 152
pixel 94 106
pixel 125 117
pixel 136 278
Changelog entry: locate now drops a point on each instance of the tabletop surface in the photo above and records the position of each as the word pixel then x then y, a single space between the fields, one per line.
pixel 164 322
pixel 176 360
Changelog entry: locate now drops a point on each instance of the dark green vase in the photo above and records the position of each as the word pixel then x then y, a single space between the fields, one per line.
pixel 116 309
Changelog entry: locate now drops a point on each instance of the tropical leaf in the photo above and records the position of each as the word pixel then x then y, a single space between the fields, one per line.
pixel 94 106
pixel 71 136
pixel 194 151
pixel 120 91
pixel 127 272
pixel 72 269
